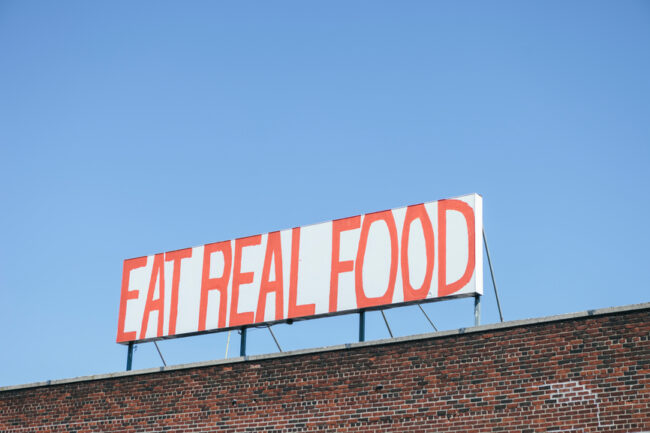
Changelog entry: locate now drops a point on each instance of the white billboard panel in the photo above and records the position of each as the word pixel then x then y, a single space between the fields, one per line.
pixel 411 254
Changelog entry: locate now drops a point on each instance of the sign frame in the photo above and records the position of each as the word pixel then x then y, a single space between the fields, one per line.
pixel 476 275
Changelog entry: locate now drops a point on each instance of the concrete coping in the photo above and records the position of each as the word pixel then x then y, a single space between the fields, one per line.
pixel 275 355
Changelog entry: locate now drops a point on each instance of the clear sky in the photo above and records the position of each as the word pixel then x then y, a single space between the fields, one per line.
pixel 130 128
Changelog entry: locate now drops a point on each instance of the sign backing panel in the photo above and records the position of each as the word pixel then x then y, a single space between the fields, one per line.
pixel 425 252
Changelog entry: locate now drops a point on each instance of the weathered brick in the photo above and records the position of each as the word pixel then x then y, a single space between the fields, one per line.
pixel 584 374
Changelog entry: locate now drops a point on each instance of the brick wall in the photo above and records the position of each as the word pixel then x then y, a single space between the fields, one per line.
pixel 585 373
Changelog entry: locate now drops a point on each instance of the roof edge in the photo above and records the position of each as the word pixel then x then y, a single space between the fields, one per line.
pixel 275 355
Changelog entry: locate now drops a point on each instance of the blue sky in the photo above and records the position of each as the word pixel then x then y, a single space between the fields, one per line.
pixel 128 129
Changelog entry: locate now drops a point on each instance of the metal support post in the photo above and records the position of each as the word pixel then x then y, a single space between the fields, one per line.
pixel 494 284
pixel 427 316
pixel 274 339
pixel 160 353
pixel 387 325
pixel 242 345
pixel 477 310
pixel 129 356
pixel 227 344
pixel 362 326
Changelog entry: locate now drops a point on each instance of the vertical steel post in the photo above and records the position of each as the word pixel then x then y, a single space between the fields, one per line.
pixel 129 356
pixel 362 326
pixel 477 310
pixel 242 345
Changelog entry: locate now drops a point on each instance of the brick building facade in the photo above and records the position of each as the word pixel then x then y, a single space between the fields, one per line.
pixel 583 372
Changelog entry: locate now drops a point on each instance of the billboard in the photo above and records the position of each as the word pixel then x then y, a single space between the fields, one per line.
pixel 418 253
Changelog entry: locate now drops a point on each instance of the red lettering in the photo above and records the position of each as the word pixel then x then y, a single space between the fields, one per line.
pixel 445 289
pixel 412 213
pixel 157 274
pixel 273 248
pixel 239 278
pixel 220 284
pixel 364 301
pixel 338 266
pixel 296 310
pixel 127 294
pixel 176 257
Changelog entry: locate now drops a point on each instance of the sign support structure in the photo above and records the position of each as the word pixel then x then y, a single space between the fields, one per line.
pixel 129 356
pixel 362 326
pixel 494 283
pixel 410 255
pixel 242 345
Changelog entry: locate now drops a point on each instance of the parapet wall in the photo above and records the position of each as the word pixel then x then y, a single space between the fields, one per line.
pixel 585 372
